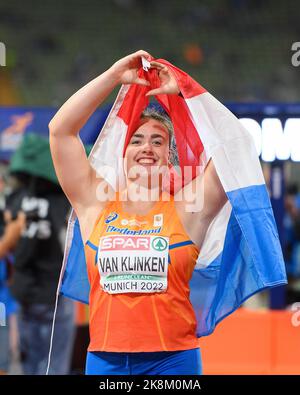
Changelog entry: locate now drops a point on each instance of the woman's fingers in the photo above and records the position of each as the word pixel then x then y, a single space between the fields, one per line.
pixel 155 92
pixel 161 69
pixel 168 89
pixel 157 65
pixel 141 81
pixel 143 53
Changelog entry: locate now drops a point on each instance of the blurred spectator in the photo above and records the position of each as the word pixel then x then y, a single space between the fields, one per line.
pixel 9 311
pixel 9 235
pixel 292 242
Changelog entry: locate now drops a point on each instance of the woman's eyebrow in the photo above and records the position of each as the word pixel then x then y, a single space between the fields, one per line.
pixel 154 136
pixel 139 135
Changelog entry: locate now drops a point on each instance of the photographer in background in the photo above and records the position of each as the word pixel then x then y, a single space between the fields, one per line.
pixel 43 208
pixel 10 232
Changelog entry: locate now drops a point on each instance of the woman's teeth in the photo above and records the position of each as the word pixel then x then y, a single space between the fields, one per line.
pixel 146 161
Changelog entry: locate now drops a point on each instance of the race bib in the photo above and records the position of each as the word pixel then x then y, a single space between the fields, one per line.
pixel 133 263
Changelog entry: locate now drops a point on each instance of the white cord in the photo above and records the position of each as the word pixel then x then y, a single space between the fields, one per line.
pixel 72 219
pixel 52 334
pixel 62 271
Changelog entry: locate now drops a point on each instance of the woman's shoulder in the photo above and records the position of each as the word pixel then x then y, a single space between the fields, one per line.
pixel 89 217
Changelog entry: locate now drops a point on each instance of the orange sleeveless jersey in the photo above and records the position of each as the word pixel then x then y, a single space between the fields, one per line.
pixel 143 322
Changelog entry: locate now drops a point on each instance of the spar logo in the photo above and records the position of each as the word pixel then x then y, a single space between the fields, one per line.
pixel 159 244
pixel 127 243
pixel 111 217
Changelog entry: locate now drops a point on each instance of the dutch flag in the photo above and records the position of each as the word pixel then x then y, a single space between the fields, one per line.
pixel 241 254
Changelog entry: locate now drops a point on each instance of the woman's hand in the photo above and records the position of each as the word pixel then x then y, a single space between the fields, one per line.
pixel 126 68
pixel 125 71
pixel 167 80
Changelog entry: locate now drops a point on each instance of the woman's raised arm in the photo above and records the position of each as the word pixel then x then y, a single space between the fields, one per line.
pixel 207 197
pixel 76 177
pixel 199 201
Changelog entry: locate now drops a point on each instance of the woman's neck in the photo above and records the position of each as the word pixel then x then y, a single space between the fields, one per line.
pixel 139 200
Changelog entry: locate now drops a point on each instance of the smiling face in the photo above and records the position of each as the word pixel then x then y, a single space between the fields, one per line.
pixel 148 149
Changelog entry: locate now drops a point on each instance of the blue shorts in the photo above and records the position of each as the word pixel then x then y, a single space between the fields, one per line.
pixel 144 363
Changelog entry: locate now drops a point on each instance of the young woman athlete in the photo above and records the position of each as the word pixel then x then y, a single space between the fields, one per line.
pixel 141 318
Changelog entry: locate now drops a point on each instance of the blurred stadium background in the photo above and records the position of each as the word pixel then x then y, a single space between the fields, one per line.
pixel 240 50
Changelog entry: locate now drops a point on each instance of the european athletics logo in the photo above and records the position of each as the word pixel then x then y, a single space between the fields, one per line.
pixel 111 217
